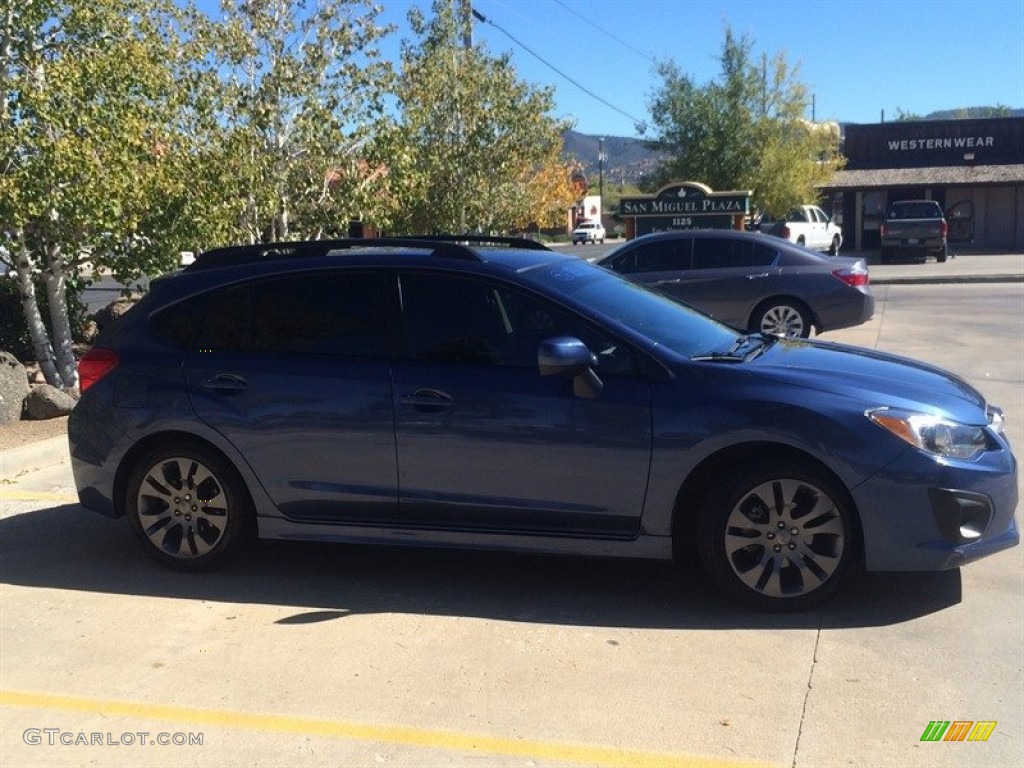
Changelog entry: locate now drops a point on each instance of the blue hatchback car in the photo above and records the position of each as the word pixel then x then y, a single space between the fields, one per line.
pixel 504 396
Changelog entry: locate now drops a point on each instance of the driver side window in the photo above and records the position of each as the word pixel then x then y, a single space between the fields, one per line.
pixel 454 319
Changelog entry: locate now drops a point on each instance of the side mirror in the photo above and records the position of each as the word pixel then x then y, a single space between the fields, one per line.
pixel 569 357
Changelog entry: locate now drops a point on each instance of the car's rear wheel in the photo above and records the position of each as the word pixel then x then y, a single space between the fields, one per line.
pixel 777 536
pixel 187 505
pixel 782 317
pixel 834 248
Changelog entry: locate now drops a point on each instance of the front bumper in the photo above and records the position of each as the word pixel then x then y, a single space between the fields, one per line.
pixel 920 514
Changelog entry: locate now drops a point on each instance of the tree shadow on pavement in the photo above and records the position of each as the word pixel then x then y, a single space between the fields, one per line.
pixel 68 547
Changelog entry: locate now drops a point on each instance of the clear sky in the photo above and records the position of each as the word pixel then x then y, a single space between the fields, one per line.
pixel 858 57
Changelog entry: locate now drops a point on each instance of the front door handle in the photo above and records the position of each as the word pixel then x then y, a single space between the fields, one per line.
pixel 757 277
pixel 226 382
pixel 428 400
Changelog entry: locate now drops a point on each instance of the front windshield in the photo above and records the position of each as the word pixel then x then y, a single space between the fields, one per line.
pixel 659 318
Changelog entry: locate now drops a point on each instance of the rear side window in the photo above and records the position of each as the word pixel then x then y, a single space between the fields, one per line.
pixel 178 325
pixel 336 313
pixel 658 256
pixel 725 253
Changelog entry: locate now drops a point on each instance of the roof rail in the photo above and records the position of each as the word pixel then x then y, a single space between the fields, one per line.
pixel 511 242
pixel 446 246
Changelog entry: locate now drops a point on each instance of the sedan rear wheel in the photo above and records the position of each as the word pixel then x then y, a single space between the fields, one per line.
pixel 778 537
pixel 782 318
pixel 187 506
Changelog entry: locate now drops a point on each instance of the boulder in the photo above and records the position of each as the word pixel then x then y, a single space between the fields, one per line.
pixel 13 388
pixel 107 317
pixel 47 402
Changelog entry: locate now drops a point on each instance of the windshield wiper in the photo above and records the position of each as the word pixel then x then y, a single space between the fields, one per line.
pixel 743 349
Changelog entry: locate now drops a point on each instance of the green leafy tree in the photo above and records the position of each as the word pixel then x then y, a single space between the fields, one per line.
pixel 90 100
pixel 744 130
pixel 293 101
pixel 477 148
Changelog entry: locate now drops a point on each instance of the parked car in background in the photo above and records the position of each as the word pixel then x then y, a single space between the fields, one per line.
pixel 588 232
pixel 915 229
pixel 749 280
pixel 809 226
pixel 513 398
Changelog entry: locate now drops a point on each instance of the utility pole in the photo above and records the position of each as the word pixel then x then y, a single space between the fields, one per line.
pixel 601 157
pixel 466 16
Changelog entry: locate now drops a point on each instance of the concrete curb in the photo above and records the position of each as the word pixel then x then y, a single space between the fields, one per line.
pixel 33 456
pixel 944 279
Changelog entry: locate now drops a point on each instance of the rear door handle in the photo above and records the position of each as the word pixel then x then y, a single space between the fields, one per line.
pixel 757 277
pixel 226 382
pixel 428 400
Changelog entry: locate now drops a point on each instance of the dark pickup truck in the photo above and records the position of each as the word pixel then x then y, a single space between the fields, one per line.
pixel 914 228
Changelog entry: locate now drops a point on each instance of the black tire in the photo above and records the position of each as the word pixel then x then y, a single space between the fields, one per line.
pixel 834 248
pixel 777 536
pixel 941 256
pixel 782 317
pixel 188 506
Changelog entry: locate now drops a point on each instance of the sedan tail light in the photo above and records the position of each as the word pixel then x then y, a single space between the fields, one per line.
pixel 96 364
pixel 855 276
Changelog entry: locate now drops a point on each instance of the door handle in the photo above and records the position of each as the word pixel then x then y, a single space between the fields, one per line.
pixel 428 400
pixel 674 281
pixel 757 277
pixel 226 382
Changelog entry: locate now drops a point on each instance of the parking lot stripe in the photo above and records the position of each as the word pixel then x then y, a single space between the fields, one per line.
pixel 10 494
pixel 602 757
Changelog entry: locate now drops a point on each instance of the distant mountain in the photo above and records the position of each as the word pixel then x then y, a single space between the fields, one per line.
pixel 626 160
pixel 973 113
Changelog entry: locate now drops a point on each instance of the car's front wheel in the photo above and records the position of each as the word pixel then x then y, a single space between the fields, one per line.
pixel 782 317
pixel 187 505
pixel 777 536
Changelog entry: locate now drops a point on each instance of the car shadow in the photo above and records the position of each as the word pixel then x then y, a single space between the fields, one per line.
pixel 68 547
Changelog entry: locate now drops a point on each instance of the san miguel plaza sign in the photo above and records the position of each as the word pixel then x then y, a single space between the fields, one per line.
pixel 689 205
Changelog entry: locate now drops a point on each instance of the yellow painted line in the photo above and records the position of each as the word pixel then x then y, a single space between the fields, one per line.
pixel 10 494
pixel 599 757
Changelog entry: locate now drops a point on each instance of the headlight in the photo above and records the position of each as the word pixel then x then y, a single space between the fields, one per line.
pixel 934 434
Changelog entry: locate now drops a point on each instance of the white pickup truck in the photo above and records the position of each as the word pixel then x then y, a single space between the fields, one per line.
pixel 809 226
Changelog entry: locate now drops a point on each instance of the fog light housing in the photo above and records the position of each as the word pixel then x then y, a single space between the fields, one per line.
pixel 962 516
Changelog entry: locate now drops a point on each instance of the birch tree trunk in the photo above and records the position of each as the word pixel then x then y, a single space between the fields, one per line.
pixel 60 321
pixel 42 350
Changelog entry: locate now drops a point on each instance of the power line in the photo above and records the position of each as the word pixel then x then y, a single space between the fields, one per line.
pixel 480 17
pixel 605 32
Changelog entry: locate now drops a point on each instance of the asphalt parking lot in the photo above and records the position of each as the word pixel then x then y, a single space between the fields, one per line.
pixel 358 656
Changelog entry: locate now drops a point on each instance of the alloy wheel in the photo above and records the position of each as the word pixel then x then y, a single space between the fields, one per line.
pixel 785 538
pixel 182 508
